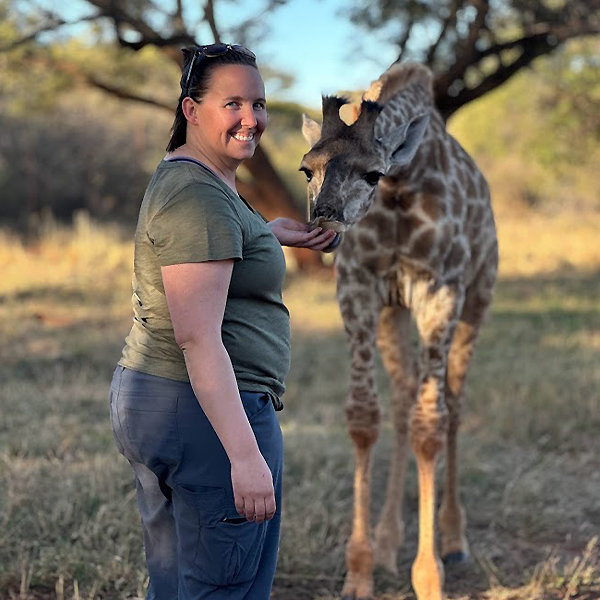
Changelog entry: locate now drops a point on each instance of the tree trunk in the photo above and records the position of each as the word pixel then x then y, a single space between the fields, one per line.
pixel 269 194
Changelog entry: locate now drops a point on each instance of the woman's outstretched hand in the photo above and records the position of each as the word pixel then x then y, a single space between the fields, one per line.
pixel 293 233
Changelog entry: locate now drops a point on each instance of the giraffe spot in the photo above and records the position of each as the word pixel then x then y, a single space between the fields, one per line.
pixel 388 198
pixel 430 157
pixel 366 241
pixel 361 277
pixel 347 309
pixel 373 220
pixel 365 354
pixel 342 272
pixel 475 214
pixel 457 200
pixel 345 249
pixel 403 230
pixel 435 353
pixel 362 336
pixel 402 200
pixel 416 222
pixel 422 246
pixel 430 203
pixel 375 263
pixel 471 192
pixel 446 233
pixel 482 187
pixel 444 165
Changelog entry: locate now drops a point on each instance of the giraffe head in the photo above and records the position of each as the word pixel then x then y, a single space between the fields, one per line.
pixel 345 162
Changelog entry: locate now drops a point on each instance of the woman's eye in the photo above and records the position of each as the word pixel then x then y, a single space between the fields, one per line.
pixel 259 106
pixel 308 174
pixel 372 178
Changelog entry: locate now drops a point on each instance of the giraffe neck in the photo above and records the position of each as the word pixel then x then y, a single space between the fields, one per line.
pixel 412 101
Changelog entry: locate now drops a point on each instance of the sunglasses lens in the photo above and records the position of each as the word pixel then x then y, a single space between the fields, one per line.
pixel 214 50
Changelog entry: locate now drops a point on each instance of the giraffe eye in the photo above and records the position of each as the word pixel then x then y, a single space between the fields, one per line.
pixel 372 177
pixel 307 172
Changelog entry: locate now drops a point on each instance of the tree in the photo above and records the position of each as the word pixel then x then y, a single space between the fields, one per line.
pixel 474 46
pixel 135 25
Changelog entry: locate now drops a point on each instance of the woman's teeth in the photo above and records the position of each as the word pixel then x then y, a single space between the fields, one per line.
pixel 244 138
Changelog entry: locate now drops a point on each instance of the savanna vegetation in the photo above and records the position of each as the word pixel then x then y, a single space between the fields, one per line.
pixel 529 449
pixel 73 165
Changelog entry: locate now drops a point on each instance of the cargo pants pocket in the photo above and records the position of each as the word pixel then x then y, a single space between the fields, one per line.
pixel 226 550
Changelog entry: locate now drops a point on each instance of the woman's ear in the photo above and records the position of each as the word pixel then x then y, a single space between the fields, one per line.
pixel 190 110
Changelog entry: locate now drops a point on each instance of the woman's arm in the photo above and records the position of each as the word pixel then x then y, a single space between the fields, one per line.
pixel 196 295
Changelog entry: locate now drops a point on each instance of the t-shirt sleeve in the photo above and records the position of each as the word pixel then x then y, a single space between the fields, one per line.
pixel 198 224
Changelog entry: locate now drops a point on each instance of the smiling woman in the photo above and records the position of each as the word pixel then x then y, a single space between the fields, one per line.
pixel 193 399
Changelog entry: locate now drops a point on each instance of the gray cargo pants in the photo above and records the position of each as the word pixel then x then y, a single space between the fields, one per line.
pixel 197 546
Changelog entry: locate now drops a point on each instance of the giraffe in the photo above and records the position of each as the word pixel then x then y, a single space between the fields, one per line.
pixel 417 241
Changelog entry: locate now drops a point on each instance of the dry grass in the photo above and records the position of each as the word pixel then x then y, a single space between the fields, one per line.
pixel 529 453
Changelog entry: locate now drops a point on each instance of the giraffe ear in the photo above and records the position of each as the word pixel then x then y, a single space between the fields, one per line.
pixel 403 142
pixel 311 130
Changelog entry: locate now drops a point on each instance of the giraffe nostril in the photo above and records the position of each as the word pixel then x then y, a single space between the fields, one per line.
pixel 328 213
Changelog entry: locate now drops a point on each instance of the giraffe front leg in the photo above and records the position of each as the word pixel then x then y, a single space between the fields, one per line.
pixel 360 312
pixel 427 433
pixel 452 516
pixel 395 349
pixel 436 316
pixel 363 425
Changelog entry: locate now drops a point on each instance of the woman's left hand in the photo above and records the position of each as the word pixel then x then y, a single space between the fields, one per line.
pixel 293 233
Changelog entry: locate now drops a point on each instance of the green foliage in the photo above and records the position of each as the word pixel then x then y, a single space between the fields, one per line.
pixel 538 136
pixel 83 152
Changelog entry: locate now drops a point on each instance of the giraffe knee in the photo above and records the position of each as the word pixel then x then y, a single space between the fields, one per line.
pixel 429 423
pixel 364 420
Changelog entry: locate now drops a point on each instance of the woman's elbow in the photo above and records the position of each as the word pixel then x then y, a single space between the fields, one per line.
pixel 188 339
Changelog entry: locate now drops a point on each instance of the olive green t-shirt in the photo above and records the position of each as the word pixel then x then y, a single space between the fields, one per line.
pixel 189 215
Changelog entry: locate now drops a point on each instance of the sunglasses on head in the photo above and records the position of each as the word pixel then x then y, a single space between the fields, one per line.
pixel 212 51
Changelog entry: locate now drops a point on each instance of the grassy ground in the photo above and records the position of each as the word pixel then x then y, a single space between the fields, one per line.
pixel 530 454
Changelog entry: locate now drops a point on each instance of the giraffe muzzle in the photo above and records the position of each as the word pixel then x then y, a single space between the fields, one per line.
pixel 336 226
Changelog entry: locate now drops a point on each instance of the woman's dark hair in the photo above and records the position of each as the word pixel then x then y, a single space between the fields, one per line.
pixel 198 83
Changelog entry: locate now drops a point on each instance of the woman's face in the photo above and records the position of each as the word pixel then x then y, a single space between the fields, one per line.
pixel 232 115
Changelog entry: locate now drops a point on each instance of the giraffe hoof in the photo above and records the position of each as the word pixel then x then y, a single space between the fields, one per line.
pixel 456 558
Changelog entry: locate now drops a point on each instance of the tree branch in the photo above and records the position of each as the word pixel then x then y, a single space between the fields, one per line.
pixel 449 22
pixel 78 74
pixel 111 8
pixel 56 24
pixel 177 39
pixel 465 56
pixel 124 94
pixel 178 16
pixel 209 15
pixel 404 39
pixel 532 47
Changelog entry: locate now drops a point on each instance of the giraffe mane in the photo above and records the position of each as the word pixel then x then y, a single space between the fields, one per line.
pixel 397 77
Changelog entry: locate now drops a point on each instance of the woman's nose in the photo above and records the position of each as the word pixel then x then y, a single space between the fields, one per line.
pixel 248 117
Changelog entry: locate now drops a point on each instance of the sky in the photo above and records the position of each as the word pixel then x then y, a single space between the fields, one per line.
pixel 308 39
pixel 316 44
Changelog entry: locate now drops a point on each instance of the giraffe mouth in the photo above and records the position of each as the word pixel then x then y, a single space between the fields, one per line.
pixel 336 226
